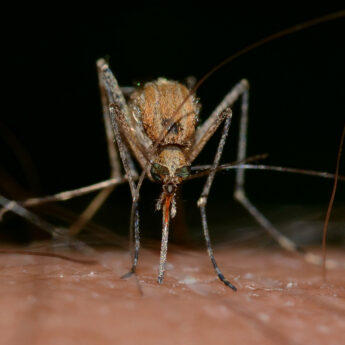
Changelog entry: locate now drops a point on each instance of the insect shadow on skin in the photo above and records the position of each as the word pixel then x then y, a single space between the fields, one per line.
pixel 157 125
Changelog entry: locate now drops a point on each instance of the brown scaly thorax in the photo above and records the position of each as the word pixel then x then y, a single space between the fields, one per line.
pixel 155 104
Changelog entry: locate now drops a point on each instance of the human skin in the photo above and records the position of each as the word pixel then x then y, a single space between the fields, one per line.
pixel 280 299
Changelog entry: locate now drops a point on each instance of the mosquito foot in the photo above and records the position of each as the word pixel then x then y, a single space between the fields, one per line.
pixel 226 282
pixel 128 274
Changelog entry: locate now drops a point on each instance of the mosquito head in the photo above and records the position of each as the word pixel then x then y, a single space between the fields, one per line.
pixel 170 168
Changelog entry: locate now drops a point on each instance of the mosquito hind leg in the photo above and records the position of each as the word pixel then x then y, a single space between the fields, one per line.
pixel 227 114
pixel 241 197
pixel 58 233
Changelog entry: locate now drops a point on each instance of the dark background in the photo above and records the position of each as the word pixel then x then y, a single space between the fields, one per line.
pixel 52 113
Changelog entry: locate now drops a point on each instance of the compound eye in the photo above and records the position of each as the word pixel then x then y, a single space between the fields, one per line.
pixel 157 171
pixel 183 172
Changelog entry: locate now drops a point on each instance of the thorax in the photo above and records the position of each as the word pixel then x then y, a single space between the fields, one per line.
pixel 156 103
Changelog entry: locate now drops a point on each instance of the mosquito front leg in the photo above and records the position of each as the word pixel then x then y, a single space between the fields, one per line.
pixel 129 124
pixel 227 114
pixel 124 126
pixel 134 222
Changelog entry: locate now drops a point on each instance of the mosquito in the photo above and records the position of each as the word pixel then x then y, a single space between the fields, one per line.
pixel 157 125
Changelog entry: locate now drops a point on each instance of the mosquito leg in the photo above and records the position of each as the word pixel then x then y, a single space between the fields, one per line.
pixel 90 211
pixel 14 207
pixel 207 129
pixel 56 232
pixel 204 196
pixel 115 167
pixel 69 194
pixel 120 116
pixel 127 163
pixel 240 194
pixel 130 129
